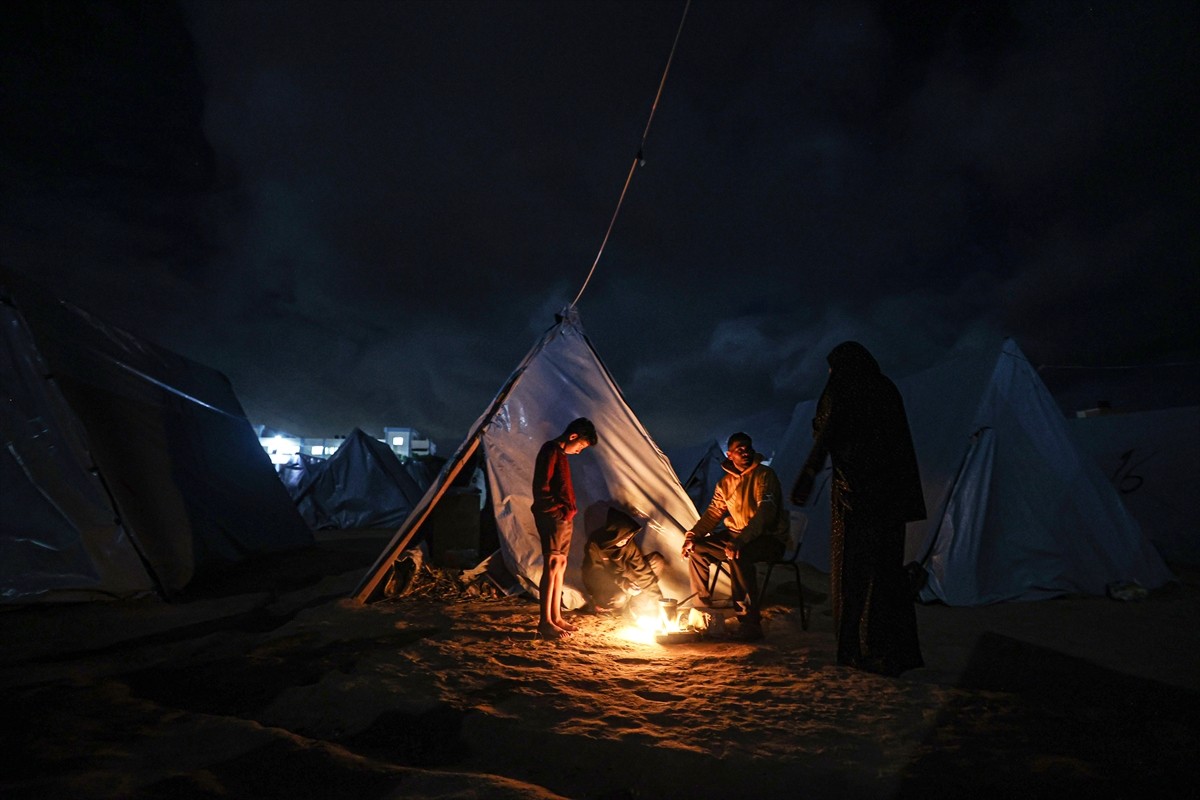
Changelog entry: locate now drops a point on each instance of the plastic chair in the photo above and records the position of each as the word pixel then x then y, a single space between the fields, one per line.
pixel 790 558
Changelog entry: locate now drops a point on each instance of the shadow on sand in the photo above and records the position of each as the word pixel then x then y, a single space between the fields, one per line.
pixel 1032 722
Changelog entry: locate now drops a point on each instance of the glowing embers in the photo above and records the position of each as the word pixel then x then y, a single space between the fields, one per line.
pixel 658 623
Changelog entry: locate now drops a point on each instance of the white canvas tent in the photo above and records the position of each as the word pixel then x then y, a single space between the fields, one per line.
pixel 126 468
pixel 1152 459
pixel 560 379
pixel 1016 511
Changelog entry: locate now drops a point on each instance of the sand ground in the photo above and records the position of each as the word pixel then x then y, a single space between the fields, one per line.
pixel 271 683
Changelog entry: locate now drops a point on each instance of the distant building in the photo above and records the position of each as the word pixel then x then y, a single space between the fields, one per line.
pixel 408 442
pixel 322 447
pixel 283 447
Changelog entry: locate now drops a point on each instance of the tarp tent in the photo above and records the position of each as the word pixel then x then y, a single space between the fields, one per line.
pixel 424 470
pixel 1152 458
pixel 560 379
pixel 126 468
pixel 1016 510
pixel 297 472
pixel 702 480
pixel 362 485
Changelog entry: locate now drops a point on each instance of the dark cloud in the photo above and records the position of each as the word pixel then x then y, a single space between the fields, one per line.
pixel 366 212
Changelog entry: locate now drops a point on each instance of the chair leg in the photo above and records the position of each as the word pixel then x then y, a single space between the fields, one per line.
pixel 762 592
pixel 715 570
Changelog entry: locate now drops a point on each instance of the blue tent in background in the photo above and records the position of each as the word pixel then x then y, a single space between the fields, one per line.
pixel 705 473
pixel 362 485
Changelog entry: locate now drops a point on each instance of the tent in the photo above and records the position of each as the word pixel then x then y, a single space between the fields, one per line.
pixel 702 480
pixel 126 468
pixel 362 485
pixel 1152 458
pixel 560 379
pixel 298 472
pixel 1016 511
pixel 423 470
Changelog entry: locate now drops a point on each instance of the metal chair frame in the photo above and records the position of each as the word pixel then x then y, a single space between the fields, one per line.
pixel 790 558
pixel 792 561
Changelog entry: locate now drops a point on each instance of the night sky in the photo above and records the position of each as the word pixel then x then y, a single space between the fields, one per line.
pixel 365 213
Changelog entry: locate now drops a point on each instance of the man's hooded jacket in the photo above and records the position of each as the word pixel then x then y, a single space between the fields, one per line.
pixel 608 570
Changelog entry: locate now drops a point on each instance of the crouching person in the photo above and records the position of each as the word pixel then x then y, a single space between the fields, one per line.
pixel 616 574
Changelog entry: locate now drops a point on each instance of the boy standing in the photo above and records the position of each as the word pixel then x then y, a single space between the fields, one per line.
pixel 553 515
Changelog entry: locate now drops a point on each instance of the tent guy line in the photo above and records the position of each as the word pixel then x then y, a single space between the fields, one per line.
pixel 638 160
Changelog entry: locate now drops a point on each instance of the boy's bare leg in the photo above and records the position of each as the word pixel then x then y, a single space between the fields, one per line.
pixel 550 590
pixel 556 593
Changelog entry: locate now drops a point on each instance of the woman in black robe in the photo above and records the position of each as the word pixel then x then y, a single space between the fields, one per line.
pixel 861 425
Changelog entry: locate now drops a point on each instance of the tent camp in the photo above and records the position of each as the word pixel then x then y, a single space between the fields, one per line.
pixel 560 379
pixel 126 468
pixel 1016 511
pixel 1152 459
pixel 362 485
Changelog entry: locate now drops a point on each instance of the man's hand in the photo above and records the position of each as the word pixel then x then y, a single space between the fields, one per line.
pixel 731 552
pixel 688 544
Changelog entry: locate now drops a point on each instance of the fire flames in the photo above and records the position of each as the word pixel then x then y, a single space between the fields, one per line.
pixel 650 621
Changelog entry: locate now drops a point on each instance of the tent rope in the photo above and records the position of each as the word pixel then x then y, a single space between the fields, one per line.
pixel 639 159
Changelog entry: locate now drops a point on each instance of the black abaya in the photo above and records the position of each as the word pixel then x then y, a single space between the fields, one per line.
pixel 862 427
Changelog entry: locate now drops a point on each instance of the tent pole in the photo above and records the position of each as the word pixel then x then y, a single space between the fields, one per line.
pixel 407 531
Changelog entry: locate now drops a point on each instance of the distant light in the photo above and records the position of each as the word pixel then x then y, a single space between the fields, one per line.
pixel 287 446
pixel 397 441
pixel 281 450
pixel 318 450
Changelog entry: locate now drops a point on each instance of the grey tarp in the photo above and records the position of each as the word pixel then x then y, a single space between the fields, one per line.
pixel 1152 459
pixel 362 485
pixel 126 468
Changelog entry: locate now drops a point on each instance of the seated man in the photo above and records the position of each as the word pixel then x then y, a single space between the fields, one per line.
pixel 614 569
pixel 749 498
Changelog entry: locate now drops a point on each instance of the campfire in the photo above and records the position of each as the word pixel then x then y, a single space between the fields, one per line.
pixel 669 629
pixel 660 623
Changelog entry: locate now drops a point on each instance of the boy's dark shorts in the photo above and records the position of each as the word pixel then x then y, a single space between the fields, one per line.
pixel 554 534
